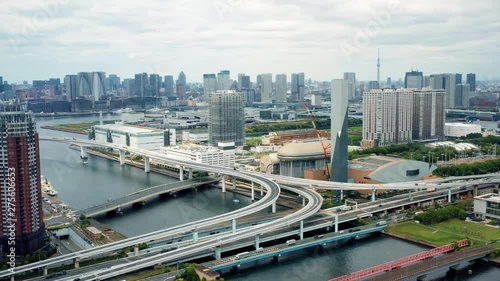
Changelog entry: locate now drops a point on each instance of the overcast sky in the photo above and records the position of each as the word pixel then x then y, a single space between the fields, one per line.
pixel 40 39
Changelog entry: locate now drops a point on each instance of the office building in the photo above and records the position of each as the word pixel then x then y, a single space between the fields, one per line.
pixel 245 82
pixel 141 84
pixel 84 84
pixel 54 85
pixel 388 82
pixel 169 86
pixel 402 116
pixel 266 88
pixel 226 118
pixel 71 85
pixel 447 82
pixel 128 85
pixel 351 78
pixel 372 85
pixel 339 124
pixel 208 155
pixel 98 85
pixel 249 95
pixel 462 92
pixel 414 80
pixel 180 91
pixel 458 130
pixel 133 136
pixel 114 82
pixel 154 85
pixel 182 79
pixel 471 80
pixel 1 80
pixel 20 173
pixel 209 83
pixel 427 81
pixel 224 80
pixel 487 206
pixel 298 87
pixel 281 88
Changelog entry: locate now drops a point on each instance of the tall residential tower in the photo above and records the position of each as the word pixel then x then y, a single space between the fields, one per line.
pixel 226 117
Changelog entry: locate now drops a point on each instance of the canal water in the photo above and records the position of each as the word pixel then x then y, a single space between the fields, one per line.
pixel 82 186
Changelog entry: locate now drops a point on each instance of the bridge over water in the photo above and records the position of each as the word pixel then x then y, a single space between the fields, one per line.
pixel 145 194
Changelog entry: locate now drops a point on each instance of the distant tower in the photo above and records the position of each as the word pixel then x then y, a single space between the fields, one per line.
pixel 378 67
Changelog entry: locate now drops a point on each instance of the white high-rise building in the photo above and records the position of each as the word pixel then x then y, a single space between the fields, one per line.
pixel 447 82
pixel 401 116
pixel 224 80
pixel 281 88
pixel 351 78
pixel 298 86
pixel 266 89
pixel 98 84
pixel 226 119
pixel 209 83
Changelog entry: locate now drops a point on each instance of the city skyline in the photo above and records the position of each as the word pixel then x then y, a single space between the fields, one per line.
pixel 78 37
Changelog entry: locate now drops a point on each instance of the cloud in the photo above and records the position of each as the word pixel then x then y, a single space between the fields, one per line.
pixel 251 36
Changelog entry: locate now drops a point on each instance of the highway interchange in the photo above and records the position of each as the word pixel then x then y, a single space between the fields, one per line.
pixel 269 182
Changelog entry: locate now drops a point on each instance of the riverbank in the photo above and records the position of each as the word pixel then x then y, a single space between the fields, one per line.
pixel 66 130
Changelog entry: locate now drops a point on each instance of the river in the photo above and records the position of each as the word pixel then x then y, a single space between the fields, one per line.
pixel 82 186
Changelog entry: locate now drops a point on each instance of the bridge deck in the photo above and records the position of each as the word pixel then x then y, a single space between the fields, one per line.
pixel 144 194
pixel 421 268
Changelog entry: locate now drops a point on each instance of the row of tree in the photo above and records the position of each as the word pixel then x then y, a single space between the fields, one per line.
pixel 437 215
pixel 323 124
pixel 478 168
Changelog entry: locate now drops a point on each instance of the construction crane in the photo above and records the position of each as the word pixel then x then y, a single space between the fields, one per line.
pixel 325 148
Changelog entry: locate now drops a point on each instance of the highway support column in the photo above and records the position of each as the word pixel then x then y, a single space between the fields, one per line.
pixel 12 278
pixel 190 170
pixel 261 190
pixel 274 207
pixel 45 270
pixel 474 192
pixel 257 241
pixel 83 152
pixel 195 236
pixel 147 165
pixel 181 173
pixel 336 223
pixel 136 250
pixel 449 195
pixel 122 157
pixel 217 253
pixel 233 223
pixel 224 184
pixel 341 194
pixel 234 182
pixel 76 262
pixel 301 230
pixel 303 201
pixel 253 191
pixel 374 192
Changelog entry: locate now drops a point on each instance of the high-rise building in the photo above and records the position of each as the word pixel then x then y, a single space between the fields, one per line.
pixel 1 80
pixel 298 86
pixel 129 84
pixel 372 85
pixel 266 88
pixel 414 80
pixel 402 116
pixel 245 82
pixel 281 88
pixel 182 79
pixel 339 123
pixel 427 81
pixel 154 85
pixel 39 84
pixel 462 95
pixel 84 84
pixel 169 85
pixel 447 82
pixel 351 79
pixel 209 83
pixel 224 80
pixel 141 84
pixel 226 118
pixel 21 220
pixel 180 91
pixel 240 80
pixel 378 67
pixel 389 81
pixel 71 85
pixel 55 86
pixel 114 82
pixel 98 85
pixel 471 80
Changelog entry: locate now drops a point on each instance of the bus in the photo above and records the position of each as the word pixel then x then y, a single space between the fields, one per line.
pixel 242 255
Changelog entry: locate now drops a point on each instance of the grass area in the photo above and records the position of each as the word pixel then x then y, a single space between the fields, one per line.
pixel 147 274
pixel 78 127
pixel 471 229
pixel 424 233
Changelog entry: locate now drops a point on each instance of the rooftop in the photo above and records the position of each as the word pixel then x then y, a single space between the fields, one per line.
pixel 462 125
pixel 491 197
pixel 457 146
pixel 127 128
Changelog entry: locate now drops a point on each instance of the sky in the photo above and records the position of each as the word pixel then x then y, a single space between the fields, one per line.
pixel 40 39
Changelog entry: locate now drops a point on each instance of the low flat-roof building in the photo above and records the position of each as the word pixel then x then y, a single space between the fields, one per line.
pixel 487 206
pixel 295 157
pixel 222 156
pixel 457 130
pixel 133 136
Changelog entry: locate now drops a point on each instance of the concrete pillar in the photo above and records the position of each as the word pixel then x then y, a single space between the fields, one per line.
pixel 217 253
pixel 303 201
pixel 233 222
pixel 385 212
pixel 336 223
pixel 83 152
pixel 147 165
pixel 12 278
pixel 419 204
pixel 449 195
pixel 301 230
pixel 373 194
pixel 261 190
pixel 122 157
pixel 190 173
pixel 402 208
pixel 77 263
pixel 181 173
pixel 257 241
pixel 234 182
pixel 253 191
pixel 274 207
pixel 136 250
pixel 341 195
pixel 45 270
pixel 474 193
pixel 195 236
pixel 224 184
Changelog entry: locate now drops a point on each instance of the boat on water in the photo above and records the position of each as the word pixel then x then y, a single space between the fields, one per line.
pixel 47 187
pixel 124 110
pixel 155 110
pixel 236 201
